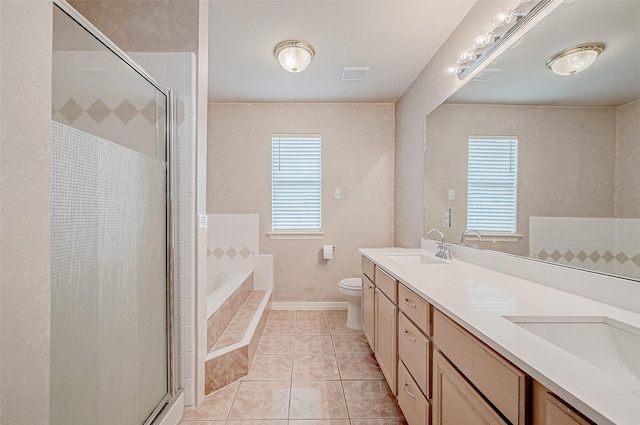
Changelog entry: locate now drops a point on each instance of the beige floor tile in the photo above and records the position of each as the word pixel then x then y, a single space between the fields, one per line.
pixel 279 327
pixel 317 400
pixel 215 406
pixel 358 366
pixel 261 400
pixel 276 344
pixel 310 314
pixel 270 367
pixel 336 315
pixel 320 422
pixel 315 367
pixel 312 327
pixel 283 315
pixel 385 421
pixel 340 328
pixel 350 344
pixel 313 344
pixel 370 399
pixel 202 423
pixel 257 422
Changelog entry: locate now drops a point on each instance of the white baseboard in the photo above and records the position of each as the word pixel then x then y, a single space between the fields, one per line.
pixel 335 305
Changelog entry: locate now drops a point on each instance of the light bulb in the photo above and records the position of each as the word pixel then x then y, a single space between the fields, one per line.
pixel 484 39
pixel 467 55
pixel 452 70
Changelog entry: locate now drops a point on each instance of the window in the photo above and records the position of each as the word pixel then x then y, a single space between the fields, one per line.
pixel 492 184
pixel 296 183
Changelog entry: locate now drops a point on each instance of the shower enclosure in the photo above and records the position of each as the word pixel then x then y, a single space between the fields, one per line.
pixel 113 351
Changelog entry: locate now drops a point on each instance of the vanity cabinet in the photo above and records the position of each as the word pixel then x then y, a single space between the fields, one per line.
pixel 496 379
pixel 368 301
pixel 547 409
pixel 386 327
pixel 455 401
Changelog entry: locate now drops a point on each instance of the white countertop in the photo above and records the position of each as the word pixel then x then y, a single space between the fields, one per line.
pixel 478 298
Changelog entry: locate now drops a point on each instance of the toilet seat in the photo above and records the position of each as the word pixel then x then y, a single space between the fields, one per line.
pixel 352 283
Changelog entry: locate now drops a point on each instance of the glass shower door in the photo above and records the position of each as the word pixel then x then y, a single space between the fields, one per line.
pixel 110 303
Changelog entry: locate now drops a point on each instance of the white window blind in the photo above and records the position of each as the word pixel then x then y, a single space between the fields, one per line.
pixel 296 183
pixel 492 194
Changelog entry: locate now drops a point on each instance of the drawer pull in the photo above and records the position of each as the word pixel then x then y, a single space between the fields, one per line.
pixel 406 301
pixel 413 396
pixel 408 336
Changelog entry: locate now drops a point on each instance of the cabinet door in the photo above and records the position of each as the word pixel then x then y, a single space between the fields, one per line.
pixel 386 315
pixel 368 310
pixel 455 401
pixel 559 413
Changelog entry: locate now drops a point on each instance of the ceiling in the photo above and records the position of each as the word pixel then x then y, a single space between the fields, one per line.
pixel 520 76
pixel 396 38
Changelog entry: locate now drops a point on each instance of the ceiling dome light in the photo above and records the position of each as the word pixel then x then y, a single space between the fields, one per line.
pixel 294 55
pixel 575 59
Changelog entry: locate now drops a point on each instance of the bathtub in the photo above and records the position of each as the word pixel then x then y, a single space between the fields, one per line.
pixel 221 285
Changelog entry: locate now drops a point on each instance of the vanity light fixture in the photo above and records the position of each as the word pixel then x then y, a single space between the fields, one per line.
pixel 294 55
pixel 575 59
pixel 504 25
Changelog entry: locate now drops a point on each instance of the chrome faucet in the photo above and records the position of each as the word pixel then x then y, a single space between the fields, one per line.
pixel 466 232
pixel 443 249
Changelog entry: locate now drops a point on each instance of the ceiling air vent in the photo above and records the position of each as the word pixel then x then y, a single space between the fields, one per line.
pixel 355 73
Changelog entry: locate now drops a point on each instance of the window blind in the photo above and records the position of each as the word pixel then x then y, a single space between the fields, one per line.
pixel 492 184
pixel 296 183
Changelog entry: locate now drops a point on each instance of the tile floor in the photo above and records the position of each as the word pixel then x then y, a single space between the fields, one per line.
pixel 309 369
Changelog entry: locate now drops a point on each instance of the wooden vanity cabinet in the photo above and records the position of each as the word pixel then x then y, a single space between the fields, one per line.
pixel 500 382
pixel 455 401
pixel 368 301
pixel 548 409
pixel 386 327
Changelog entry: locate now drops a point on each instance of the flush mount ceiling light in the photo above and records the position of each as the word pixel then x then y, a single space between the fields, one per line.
pixel 575 59
pixel 294 55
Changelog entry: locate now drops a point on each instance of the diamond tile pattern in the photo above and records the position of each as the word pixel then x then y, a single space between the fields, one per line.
pixel 582 256
pixel 125 111
pixel 244 252
pixel 98 111
pixel 71 110
pixel 231 252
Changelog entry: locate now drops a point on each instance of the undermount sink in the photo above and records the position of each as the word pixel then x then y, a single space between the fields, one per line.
pixel 416 259
pixel 607 344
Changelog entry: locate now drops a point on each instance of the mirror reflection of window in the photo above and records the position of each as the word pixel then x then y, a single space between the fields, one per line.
pixel 492 187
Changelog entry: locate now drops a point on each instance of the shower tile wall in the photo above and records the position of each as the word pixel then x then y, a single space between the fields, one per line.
pixel 610 245
pixel 100 99
pixel 176 70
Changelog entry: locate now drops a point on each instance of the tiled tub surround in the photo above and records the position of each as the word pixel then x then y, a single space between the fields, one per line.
pixel 220 317
pixel 610 245
pixel 477 298
pixel 309 369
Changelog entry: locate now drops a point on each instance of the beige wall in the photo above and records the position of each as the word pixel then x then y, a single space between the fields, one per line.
pixel 25 168
pixel 145 26
pixel 566 162
pixel 627 197
pixel 357 157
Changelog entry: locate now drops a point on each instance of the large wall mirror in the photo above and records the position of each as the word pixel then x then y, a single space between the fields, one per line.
pixel 573 143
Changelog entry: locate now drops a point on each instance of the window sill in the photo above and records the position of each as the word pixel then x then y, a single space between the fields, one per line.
pixel 296 235
pixel 495 237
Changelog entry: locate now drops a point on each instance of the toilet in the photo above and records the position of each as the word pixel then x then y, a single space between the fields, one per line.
pixel 351 290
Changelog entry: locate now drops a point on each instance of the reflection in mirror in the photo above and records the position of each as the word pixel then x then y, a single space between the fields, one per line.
pixel 578 145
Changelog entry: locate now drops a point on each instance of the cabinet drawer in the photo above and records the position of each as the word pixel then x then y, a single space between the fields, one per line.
pixel 498 380
pixel 414 351
pixel 455 401
pixel 414 405
pixel 416 309
pixel 558 413
pixel 387 284
pixel 368 267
